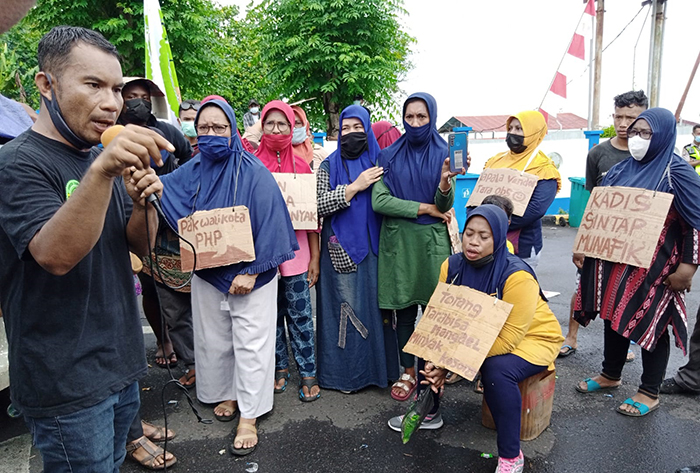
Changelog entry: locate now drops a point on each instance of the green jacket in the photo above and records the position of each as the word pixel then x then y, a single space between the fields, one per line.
pixel 410 254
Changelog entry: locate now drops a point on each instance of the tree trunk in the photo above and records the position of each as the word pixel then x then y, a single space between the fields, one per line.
pixel 332 116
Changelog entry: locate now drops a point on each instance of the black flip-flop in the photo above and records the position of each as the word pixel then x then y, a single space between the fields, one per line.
pixel 281 374
pixel 570 351
pixel 188 377
pixel 168 358
pixel 309 383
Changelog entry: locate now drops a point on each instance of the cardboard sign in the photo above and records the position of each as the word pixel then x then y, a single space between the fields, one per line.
pixel 458 328
pixel 299 192
pixel 623 225
pixel 453 230
pixel 517 186
pixel 220 237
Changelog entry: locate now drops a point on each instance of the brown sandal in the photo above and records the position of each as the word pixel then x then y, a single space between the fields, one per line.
pixel 153 452
pixel 159 434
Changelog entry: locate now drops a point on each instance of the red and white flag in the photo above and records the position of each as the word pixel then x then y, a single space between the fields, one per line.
pixel 574 62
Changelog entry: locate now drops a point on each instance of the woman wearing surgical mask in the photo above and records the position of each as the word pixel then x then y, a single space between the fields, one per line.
pixel 645 305
pixel 526 130
pixel 234 307
pixel 414 195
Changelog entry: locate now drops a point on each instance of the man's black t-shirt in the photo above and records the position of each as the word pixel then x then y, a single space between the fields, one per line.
pixel 600 159
pixel 74 339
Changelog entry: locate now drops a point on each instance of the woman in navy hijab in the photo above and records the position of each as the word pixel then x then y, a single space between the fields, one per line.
pixel 414 195
pixel 356 348
pixel 234 307
pixel 645 305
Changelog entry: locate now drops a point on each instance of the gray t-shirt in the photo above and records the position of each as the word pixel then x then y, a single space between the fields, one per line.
pixel 600 159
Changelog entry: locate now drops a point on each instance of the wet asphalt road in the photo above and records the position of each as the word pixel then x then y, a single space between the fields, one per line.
pixel 348 433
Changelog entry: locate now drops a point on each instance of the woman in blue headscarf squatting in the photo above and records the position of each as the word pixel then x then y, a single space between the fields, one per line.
pixel 644 305
pixel 364 353
pixel 527 344
pixel 414 195
pixel 234 307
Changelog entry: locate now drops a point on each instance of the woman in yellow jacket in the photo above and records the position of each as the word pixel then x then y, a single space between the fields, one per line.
pixel 529 340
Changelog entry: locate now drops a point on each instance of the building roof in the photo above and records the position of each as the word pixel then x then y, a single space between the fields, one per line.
pixel 563 121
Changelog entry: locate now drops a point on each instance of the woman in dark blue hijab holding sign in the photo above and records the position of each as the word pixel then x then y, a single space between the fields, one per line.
pixel 637 304
pixel 234 307
pixel 414 195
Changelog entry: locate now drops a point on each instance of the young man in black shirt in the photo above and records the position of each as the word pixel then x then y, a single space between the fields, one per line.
pixel 600 159
pixel 68 217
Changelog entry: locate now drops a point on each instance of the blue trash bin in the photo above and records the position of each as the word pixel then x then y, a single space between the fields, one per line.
pixel 463 190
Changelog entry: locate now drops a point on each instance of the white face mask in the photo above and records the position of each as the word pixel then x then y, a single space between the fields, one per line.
pixel 638 147
pixel 299 135
pixel 254 110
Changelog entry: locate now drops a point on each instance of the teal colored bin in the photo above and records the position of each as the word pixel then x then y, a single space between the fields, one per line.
pixel 463 190
pixel 579 199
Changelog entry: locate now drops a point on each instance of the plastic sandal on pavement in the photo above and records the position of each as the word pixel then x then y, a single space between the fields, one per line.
pixel 593 386
pixel 640 406
pixel 281 374
pixel 401 384
pixel 241 452
pixel 511 465
pixel 309 383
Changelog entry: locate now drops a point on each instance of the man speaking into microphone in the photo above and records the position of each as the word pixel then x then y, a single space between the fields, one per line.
pixel 68 217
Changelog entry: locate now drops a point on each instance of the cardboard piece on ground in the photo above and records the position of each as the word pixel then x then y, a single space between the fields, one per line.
pixel 517 186
pixel 458 328
pixel 220 237
pixel 299 192
pixel 453 231
pixel 623 225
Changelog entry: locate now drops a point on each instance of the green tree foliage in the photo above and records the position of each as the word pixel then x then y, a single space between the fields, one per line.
pixel 209 44
pixel 332 50
pixel 609 132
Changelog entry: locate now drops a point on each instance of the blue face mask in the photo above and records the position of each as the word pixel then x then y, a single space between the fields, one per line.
pixel 697 139
pixel 215 148
pixel 417 136
pixel 299 135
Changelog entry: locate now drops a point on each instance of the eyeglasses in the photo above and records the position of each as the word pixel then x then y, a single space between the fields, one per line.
pixel 188 105
pixel 218 129
pixel 281 126
pixel 645 134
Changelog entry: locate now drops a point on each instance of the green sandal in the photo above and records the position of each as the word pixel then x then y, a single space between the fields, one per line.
pixel 640 406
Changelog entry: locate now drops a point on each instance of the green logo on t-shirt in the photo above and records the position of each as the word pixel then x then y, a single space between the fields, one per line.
pixel 71 186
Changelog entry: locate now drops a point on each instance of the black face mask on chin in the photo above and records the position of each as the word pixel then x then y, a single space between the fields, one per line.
pixel 481 262
pixel 60 123
pixel 516 143
pixel 352 145
pixel 138 111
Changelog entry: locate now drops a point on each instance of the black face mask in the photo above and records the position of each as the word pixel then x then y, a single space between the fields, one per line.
pixel 516 143
pixel 137 111
pixel 481 262
pixel 60 123
pixel 352 145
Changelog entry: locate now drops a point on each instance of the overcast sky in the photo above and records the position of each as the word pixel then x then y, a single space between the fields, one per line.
pixel 498 56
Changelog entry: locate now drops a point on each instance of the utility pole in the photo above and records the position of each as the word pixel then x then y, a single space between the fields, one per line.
pixel 599 14
pixel 687 88
pixel 658 14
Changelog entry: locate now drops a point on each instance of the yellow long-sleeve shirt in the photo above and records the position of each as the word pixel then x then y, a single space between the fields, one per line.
pixel 531 331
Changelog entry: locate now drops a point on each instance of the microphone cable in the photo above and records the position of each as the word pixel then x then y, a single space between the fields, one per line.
pixel 153 255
